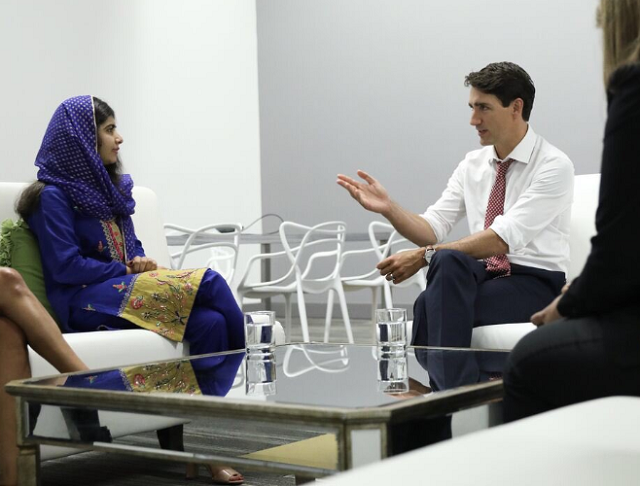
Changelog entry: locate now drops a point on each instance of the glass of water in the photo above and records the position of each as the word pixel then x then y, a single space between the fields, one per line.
pixel 258 331
pixel 391 328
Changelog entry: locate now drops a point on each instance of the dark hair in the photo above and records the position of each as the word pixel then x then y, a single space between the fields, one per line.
pixel 29 200
pixel 506 81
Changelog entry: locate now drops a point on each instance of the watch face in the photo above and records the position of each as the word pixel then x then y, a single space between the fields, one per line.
pixel 428 254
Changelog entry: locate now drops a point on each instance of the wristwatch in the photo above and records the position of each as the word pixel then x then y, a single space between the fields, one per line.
pixel 429 251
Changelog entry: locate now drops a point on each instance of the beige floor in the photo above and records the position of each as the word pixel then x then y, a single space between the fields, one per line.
pixel 362 330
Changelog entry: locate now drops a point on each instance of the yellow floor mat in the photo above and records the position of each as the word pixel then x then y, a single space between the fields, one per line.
pixel 321 452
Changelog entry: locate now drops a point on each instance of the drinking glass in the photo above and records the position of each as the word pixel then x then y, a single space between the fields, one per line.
pixel 391 328
pixel 258 331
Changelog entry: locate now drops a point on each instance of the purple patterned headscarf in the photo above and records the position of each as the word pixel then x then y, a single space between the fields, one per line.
pixel 68 159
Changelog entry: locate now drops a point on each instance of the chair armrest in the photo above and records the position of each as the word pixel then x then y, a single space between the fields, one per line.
pixel 262 256
pixel 117 348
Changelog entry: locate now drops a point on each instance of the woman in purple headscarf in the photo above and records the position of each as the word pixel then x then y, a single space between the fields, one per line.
pixel 96 272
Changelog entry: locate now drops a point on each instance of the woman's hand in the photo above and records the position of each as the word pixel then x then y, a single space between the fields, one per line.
pixel 141 264
pixel 548 314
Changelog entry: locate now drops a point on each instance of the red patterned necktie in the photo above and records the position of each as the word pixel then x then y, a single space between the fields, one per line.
pixel 497 265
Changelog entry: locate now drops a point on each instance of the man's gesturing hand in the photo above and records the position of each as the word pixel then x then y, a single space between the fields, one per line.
pixel 402 265
pixel 371 195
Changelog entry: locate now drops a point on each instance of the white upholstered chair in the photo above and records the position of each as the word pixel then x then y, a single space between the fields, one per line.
pixel 116 348
pixel 587 444
pixel 583 216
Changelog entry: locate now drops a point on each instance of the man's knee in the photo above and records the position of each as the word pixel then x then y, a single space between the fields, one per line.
pixel 449 259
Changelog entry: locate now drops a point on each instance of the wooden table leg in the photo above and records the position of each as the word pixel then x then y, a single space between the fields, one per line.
pixel 28 454
pixel 29 465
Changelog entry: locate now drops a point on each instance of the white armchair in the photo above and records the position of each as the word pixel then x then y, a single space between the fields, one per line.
pixel 590 443
pixel 583 211
pixel 116 348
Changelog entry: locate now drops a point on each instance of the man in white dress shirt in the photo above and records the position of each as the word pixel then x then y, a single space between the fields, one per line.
pixel 515 259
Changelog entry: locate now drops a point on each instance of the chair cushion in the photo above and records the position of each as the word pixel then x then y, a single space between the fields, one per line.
pixel 19 250
pixel 500 336
pixel 496 336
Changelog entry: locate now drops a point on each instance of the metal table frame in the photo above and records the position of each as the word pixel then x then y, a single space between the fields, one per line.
pixel 362 434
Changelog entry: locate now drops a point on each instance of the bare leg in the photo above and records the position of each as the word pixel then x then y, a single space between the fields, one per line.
pixel 14 365
pixel 23 321
pixel 21 306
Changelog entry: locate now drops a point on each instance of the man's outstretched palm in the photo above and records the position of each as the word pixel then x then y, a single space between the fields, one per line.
pixel 370 194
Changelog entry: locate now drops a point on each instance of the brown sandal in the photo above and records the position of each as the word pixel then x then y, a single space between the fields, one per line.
pixel 219 474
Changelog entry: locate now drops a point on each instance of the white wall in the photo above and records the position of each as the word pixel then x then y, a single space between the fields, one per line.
pixel 181 76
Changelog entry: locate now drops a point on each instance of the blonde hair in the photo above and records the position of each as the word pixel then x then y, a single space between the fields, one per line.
pixel 620 23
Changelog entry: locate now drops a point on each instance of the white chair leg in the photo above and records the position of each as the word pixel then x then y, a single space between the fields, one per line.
pixel 329 315
pixel 240 300
pixel 302 309
pixel 345 311
pixel 374 302
pixel 287 317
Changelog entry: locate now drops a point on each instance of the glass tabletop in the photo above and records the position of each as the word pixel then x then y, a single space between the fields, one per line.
pixel 325 375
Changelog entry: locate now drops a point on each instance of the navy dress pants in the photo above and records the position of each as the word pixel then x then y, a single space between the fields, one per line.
pixel 461 295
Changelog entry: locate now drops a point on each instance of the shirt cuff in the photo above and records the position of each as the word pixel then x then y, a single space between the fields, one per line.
pixel 439 229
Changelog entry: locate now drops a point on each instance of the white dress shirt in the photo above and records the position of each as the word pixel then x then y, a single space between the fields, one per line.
pixel 537 204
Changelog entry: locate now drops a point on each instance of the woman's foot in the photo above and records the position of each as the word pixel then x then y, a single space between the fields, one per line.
pixel 219 474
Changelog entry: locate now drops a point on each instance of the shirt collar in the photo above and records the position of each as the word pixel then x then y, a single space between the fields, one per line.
pixel 522 152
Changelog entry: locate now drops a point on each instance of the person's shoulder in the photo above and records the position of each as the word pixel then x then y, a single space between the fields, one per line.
pixel 625 79
pixel 623 94
pixel 549 153
pixel 478 156
pixel 54 194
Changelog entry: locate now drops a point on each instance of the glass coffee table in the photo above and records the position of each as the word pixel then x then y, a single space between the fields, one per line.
pixel 349 400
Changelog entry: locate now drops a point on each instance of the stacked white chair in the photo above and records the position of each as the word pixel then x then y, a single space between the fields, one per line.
pixel 222 255
pixel 319 251
pixel 373 280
